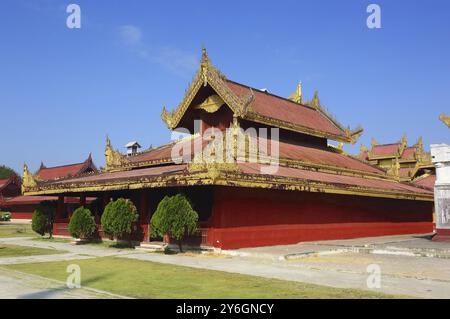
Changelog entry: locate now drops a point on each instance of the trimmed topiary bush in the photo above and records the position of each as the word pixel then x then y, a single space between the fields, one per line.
pixel 118 218
pixel 174 216
pixel 43 218
pixel 82 224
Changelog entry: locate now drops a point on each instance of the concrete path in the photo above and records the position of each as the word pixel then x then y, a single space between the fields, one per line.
pixel 18 285
pixel 88 250
pixel 40 258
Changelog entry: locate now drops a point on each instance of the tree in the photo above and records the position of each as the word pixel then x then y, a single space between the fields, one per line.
pixel 43 218
pixel 118 218
pixel 82 223
pixel 7 172
pixel 174 216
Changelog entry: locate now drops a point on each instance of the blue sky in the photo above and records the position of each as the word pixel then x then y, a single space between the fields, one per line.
pixel 63 90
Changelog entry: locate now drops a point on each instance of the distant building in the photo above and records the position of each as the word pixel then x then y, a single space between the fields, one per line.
pixel 22 207
pixel 403 162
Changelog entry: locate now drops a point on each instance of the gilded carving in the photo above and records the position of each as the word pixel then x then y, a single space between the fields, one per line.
pixel 297 95
pixel 28 180
pixel 211 104
pixel 445 119
pixel 113 158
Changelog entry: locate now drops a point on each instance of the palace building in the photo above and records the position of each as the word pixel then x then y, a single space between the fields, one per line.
pixel 282 185
pixel 22 207
pixel 403 162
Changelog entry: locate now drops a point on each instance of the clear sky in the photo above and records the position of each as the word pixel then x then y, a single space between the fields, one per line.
pixel 63 90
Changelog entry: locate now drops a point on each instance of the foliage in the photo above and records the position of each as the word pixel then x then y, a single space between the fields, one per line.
pixel 7 172
pixel 43 218
pixel 118 218
pixel 82 223
pixel 5 216
pixel 174 216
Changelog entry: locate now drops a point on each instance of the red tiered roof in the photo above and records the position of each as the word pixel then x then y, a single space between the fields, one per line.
pixel 427 182
pixel 287 151
pixel 278 108
pixel 385 149
pixel 408 153
pixel 63 171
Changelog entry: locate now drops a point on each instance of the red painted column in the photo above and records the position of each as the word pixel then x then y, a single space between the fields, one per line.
pixel 58 214
pixel 83 200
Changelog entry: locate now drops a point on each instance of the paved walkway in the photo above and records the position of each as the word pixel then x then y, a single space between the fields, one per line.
pixel 18 285
pixel 335 264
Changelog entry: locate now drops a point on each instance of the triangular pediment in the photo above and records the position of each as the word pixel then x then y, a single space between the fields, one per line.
pixel 208 91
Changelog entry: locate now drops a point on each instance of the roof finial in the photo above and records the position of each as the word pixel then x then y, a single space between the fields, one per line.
pixel 28 179
pixel 204 63
pixel 445 119
pixel 297 95
pixel 374 142
pixel 404 140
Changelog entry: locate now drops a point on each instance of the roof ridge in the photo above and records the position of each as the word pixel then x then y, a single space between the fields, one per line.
pixel 269 93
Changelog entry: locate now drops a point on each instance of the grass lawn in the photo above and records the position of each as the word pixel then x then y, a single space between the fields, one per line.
pixel 7 250
pixel 142 279
pixel 16 230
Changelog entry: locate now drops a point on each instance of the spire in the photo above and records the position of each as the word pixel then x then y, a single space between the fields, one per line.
pixel 204 65
pixel 42 166
pixel 404 140
pixel 297 95
pixel 315 102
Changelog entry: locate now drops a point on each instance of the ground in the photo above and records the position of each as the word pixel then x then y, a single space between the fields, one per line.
pixel 7 250
pixel 143 279
pixel 20 230
pixel 331 269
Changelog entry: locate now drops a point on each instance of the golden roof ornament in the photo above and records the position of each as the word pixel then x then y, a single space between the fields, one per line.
pixel 445 119
pixel 362 150
pixel 374 142
pixel 394 170
pixel 297 95
pixel 204 64
pixel 315 102
pixel 28 180
pixel 404 140
pixel 113 158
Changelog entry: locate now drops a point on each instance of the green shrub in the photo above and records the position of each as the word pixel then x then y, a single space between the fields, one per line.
pixel 174 216
pixel 118 218
pixel 43 217
pixel 5 216
pixel 82 223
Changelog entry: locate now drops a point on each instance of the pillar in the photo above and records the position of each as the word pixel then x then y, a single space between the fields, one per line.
pixel 82 200
pixel 440 154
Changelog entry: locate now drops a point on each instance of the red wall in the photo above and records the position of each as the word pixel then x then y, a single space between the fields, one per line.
pixel 22 211
pixel 252 217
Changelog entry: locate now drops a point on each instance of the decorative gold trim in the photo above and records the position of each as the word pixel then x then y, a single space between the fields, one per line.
pixel 113 158
pixel 208 74
pixel 445 119
pixel 28 179
pixel 211 104
pixel 297 95
pixel 232 178
pixel 394 170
